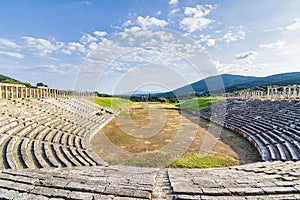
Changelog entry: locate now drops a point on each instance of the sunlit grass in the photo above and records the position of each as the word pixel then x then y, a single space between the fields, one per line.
pixel 198 103
pixel 194 160
pixel 114 103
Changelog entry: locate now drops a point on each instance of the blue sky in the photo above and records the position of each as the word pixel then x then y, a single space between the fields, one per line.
pixel 49 41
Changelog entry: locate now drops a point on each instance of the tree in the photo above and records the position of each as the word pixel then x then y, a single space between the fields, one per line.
pixel 41 85
pixel 27 85
pixel 8 81
pixel 162 100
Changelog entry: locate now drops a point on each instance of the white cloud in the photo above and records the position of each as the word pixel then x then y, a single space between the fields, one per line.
pixel 73 47
pixel 93 45
pixel 42 47
pixel 131 29
pixel 8 43
pixel 195 18
pixel 87 38
pixel 127 23
pixel 174 11
pixel 245 55
pixel 100 33
pixel 150 22
pixel 173 2
pixel 230 36
pixel 85 3
pixel 208 40
pixel 158 13
pixel 275 45
pixel 293 26
pixel 61 68
pixel 11 54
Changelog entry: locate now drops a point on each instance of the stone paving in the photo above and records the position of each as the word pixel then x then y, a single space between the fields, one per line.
pixel 114 182
pixel 265 180
pixel 253 181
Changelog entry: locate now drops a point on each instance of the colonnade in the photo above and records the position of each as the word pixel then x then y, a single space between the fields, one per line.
pixel 288 92
pixel 10 91
pixel 282 92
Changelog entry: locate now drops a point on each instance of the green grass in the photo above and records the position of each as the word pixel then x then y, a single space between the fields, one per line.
pixel 187 160
pixel 193 160
pixel 146 159
pixel 198 103
pixel 114 103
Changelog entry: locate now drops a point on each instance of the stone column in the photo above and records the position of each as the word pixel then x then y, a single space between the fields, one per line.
pixel 0 91
pixel 17 91
pixel 21 92
pixel 6 92
pixel 294 91
pixel 11 92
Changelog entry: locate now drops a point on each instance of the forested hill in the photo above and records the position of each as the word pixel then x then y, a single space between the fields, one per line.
pixel 234 82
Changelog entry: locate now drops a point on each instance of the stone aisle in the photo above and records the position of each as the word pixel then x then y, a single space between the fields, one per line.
pixel 162 186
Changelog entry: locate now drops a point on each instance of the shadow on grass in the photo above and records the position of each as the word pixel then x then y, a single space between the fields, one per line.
pixel 246 151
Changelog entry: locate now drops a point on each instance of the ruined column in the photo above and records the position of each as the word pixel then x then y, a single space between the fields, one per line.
pixel 6 92
pixel 0 91
pixel 289 92
pixel 294 91
pixel 268 92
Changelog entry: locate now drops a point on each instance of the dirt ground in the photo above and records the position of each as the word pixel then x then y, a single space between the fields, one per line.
pixel 159 133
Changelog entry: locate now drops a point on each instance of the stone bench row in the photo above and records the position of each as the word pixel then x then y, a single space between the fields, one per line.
pixel 272 135
pixel 20 153
pixel 276 180
pixel 48 140
pixel 80 183
pixel 264 180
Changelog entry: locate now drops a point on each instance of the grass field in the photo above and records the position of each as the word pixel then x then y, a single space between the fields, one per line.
pixel 198 103
pixel 113 103
pixel 122 141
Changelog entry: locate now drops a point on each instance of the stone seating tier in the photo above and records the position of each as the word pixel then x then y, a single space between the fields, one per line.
pixel 43 133
pixel 270 125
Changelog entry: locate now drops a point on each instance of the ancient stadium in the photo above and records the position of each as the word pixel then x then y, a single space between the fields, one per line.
pixel 46 136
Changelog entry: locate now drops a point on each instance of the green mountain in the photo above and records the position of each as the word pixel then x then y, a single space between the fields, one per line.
pixel 2 78
pixel 230 83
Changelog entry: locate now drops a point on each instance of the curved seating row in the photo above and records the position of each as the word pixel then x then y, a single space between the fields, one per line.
pixel 263 180
pixel 272 126
pixel 41 133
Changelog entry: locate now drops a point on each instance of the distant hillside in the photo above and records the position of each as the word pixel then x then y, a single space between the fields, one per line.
pixel 2 78
pixel 233 83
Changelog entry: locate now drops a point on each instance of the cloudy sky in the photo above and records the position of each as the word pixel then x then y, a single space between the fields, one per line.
pixel 50 41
